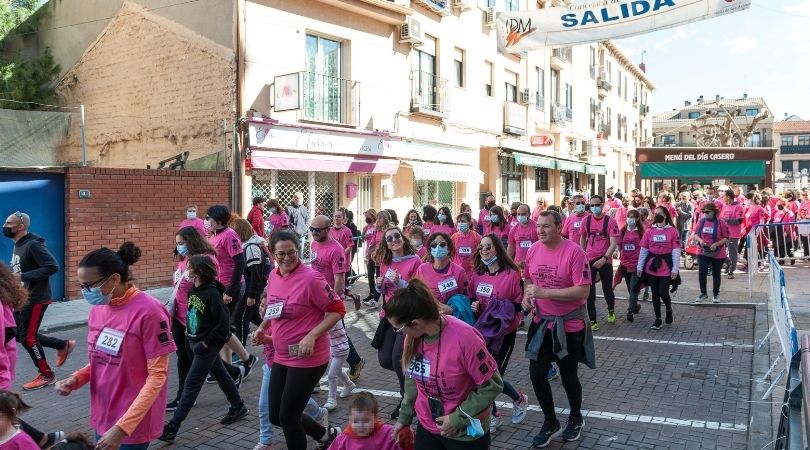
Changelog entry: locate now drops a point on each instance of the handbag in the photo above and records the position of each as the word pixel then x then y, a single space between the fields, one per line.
pixel 379 334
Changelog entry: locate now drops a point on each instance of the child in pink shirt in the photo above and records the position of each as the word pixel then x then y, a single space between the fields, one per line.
pixel 193 221
pixel 465 241
pixel 11 437
pixel 365 430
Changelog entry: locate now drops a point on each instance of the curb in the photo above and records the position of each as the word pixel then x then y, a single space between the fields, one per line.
pixel 760 423
pixel 64 326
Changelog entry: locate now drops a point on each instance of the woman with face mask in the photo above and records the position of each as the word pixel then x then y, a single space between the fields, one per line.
pixel 500 224
pixel 444 222
pixel 444 278
pixel 278 220
pixel 629 250
pixel 193 221
pixel 574 220
pixel 465 241
pixel 129 346
pixel 782 235
pixel 497 293
pixel 467 209
pixel 711 234
pixel 659 262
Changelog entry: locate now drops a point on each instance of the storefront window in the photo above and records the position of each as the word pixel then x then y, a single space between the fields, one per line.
pixel 426 191
pixel 512 180
pixel 540 179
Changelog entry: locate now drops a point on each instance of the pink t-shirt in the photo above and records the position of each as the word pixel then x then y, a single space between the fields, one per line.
pixel 196 223
pixel 427 229
pixel 449 369
pixel 660 241
pixel 503 285
pixel 466 245
pixel 629 249
pixel 442 228
pixel 422 252
pixel 343 236
pixel 138 330
pixel 406 266
pixel 621 216
pixel 227 245
pixel 754 215
pixel 705 229
pixel 305 297
pixel 501 233
pixel 370 238
pixel 485 221
pixel 521 238
pixel 562 267
pixel 732 212
pixel 186 285
pixel 8 359
pixel 329 259
pixel 19 441
pixel 597 243
pixel 381 440
pixel 451 281
pixel 572 225
pixel 278 221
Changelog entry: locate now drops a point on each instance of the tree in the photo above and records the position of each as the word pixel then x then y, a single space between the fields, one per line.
pixel 719 128
pixel 15 12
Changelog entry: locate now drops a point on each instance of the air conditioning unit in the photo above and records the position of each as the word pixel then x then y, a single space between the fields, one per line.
pixel 525 97
pixel 462 5
pixel 410 32
pixel 489 17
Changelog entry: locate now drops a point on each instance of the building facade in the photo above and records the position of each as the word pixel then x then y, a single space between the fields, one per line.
pixel 792 136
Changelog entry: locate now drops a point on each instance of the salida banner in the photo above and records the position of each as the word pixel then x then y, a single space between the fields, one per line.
pixel 563 26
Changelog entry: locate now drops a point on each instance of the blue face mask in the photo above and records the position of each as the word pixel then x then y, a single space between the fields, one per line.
pixel 273 210
pixel 94 296
pixel 474 428
pixel 596 210
pixel 182 249
pixel 439 252
pixel 523 219
pixel 495 219
pixel 631 222
pixel 490 261
pixel 464 227
pixel 441 218
pixel 191 215
pixel 579 208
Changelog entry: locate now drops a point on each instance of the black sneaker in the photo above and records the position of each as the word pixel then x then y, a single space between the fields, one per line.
pixel 573 429
pixel 54 438
pixel 630 317
pixel 656 325
pixel 210 379
pixel 395 412
pixel 234 415
pixel 668 317
pixel 331 434
pixel 354 371
pixel 637 309
pixel 247 366
pixel 546 434
pixel 172 405
pixel 169 432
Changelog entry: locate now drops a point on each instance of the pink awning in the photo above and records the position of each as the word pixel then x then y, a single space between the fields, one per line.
pixel 317 162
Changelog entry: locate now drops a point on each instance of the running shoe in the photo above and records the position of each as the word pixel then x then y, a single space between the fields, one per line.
pixel 546 434
pixel 519 408
pixel 701 298
pixel 169 432
pixel 62 355
pixel 668 317
pixel 594 326
pixel 630 316
pixel 611 317
pixel 261 446
pixel 573 429
pixel 324 420
pixel 494 423
pixel 370 303
pixel 552 373
pixel 354 371
pixel 348 389
pixel 234 414
pixel 330 405
pixel 656 325
pixel 247 365
pixel 172 405
pixel 716 299
pixel 54 438
pixel 329 436
pixel 395 412
pixel 210 379
pixel 39 382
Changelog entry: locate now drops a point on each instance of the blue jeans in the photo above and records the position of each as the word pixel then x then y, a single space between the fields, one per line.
pixel 265 428
pixel 301 241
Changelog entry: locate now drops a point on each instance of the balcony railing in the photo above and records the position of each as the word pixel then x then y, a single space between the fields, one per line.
pixel 593 72
pixel 329 99
pixel 539 101
pixel 514 118
pixel 605 128
pixel 560 114
pixel 563 54
pixel 794 149
pixel 429 94
pixel 603 83
pixel 643 109
pixel 441 7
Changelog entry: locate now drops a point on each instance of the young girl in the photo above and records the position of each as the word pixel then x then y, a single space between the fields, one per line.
pixel 500 227
pixel 365 430
pixel 416 235
pixel 11 437
pixel 466 241
pixel 629 250
pixel 339 343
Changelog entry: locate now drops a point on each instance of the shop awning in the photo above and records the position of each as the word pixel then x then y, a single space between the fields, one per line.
pixel 595 170
pixel 445 172
pixel 703 170
pixel 535 161
pixel 570 166
pixel 318 162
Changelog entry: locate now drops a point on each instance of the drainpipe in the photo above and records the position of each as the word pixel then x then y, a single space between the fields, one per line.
pixel 237 170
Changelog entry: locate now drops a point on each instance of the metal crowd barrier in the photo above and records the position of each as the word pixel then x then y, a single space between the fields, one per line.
pixel 789 242
pixel 794 419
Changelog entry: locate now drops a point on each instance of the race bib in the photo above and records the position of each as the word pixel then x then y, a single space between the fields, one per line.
pixel 484 290
pixel 419 368
pixel 465 250
pixel 629 247
pixel 708 230
pixel 577 224
pixel 177 275
pixel 525 244
pixel 426 231
pixel 110 341
pixel 313 256
pixel 273 311
pixel 659 238
pixel 447 285
pixel 390 273
pixel 370 233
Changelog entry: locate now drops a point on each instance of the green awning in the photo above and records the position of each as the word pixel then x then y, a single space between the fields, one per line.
pixel 595 170
pixel 570 166
pixel 704 170
pixel 535 161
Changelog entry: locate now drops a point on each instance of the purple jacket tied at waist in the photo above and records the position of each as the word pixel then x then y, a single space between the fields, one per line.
pixel 494 322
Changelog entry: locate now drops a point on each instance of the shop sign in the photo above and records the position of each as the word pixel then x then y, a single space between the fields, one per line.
pixel 680 154
pixel 570 166
pixel 541 140
pixel 280 137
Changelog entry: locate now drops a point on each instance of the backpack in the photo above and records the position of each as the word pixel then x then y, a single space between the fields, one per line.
pixel 266 264
pixel 605 224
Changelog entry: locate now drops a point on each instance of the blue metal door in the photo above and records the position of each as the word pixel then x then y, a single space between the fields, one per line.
pixel 42 196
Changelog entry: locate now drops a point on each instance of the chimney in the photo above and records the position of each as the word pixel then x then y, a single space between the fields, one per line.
pixel 643 67
pixel 700 100
pixel 745 96
pixel 687 103
pixel 717 97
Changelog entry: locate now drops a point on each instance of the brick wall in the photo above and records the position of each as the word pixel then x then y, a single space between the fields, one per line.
pixel 143 206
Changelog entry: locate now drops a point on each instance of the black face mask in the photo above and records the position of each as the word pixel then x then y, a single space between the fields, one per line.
pixel 780 207
pixel 490 204
pixel 7 232
pixel 369 220
pixel 660 218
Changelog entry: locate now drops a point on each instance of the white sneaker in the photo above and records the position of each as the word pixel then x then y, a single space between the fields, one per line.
pixel 261 446
pixel 330 404
pixel 347 390
pixel 715 299
pixel 370 303
pixel 494 423
pixel 701 298
pixel 519 408
pixel 324 422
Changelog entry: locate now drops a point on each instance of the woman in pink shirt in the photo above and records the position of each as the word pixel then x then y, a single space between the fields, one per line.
pixel 382 223
pixel 466 209
pixel 782 235
pixel 500 225
pixel 444 222
pixel 279 220
pixel 369 234
pixel 192 220
pixel 711 234
pixel 465 240
pixel 301 309
pixel 541 206
pixel 129 346
pixel 629 250
pixel 411 219
pixel 444 278
pixel 659 262
pixel 496 291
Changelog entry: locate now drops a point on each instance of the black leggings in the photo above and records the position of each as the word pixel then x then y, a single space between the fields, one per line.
pixel 538 372
pixel 244 315
pixel 390 355
pixel 371 274
pixel 290 389
pixel 659 287
pixel 427 440
pixel 703 272
pixel 606 274
pixel 184 356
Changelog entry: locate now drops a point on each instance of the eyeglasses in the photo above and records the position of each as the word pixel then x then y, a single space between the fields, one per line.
pixel 288 254
pixel 399 330
pixel 316 230
pixel 87 286
pixel 484 247
pixel 595 204
pixel 393 237
pixel 438 244
pixel 579 203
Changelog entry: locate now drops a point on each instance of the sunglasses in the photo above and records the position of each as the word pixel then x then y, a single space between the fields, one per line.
pixel 87 286
pixel 393 237
pixel 288 254
pixel 316 230
pixel 595 204
pixel 579 203
pixel 484 247
pixel 18 214
pixel 399 330
pixel 438 244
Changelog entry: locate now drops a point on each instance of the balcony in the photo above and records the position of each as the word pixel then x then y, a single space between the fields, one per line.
pixel 560 114
pixel 603 86
pixel 429 94
pixel 514 118
pixel 390 12
pixel 794 149
pixel 440 7
pixel 605 128
pixel 560 58
pixel 593 72
pixel 328 99
pixel 539 101
pixel 643 109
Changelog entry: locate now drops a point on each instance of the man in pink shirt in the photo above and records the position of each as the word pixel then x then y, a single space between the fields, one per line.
pixel 621 210
pixel 192 220
pixel 570 229
pixel 599 236
pixel 484 220
pixel 557 278
pixel 522 235
pixel 733 215
pixel 327 255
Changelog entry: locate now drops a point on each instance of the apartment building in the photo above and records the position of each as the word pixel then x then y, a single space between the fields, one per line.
pixel 793 157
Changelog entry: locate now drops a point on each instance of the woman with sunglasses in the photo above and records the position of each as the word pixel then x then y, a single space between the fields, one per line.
pixel 500 224
pixel 444 222
pixel 444 278
pixel 301 309
pixel 465 240
pixel 497 293
pixel 129 346
pixel 452 379
pixel 411 219
pixel 398 264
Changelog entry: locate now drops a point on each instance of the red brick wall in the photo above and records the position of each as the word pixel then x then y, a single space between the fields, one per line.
pixel 143 206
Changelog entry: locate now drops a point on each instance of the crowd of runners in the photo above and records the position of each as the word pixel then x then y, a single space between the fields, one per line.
pixel 451 289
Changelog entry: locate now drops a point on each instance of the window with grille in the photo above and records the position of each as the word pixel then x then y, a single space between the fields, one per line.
pixel 427 190
pixel 540 179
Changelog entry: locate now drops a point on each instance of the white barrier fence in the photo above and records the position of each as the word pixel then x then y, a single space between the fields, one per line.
pixel 789 242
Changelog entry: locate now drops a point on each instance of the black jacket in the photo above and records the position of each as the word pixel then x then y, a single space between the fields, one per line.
pixel 35 263
pixel 208 318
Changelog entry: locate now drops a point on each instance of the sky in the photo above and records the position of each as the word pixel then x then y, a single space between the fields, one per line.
pixel 763 51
